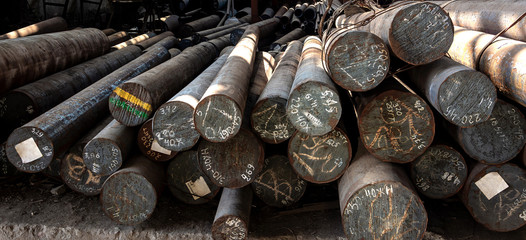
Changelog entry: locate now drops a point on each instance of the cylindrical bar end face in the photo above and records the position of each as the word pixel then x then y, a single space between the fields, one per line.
pixel 217 118
pixel 102 156
pixel 79 178
pixel 396 126
pixel 496 197
pixel 320 159
pixel 128 198
pixel 314 108
pixel 186 181
pixel 131 104
pixel 421 33
pixel 270 121
pixel 497 140
pixel 229 228
pixel 386 209
pixel 467 98
pixel 173 126
pixel 149 147
pixel 439 173
pixel 277 184
pixel 356 60
pixel 29 149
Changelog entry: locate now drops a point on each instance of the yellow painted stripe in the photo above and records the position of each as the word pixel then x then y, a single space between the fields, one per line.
pixel 132 99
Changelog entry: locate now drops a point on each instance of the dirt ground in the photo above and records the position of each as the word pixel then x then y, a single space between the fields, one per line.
pixel 28 210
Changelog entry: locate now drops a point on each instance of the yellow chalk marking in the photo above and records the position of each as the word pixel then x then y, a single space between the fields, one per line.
pixel 132 99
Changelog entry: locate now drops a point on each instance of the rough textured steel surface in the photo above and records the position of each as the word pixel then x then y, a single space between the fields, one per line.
pixel 295 34
pixel 27 59
pixel 171 22
pixel 155 39
pixel 488 16
pixel 168 42
pixel 267 13
pixel 440 172
pixel 143 94
pixel 130 195
pixel 417 33
pixel 105 152
pixel 174 52
pixel 233 214
pixel 267 28
pixel 263 67
pixel 109 31
pixel 503 61
pixel 234 163
pixel 173 122
pixel 463 96
pixel 55 24
pixel 118 37
pixel 269 117
pixel 496 196
pixel 6 168
pixel 74 172
pixel 313 106
pixel 497 140
pixel 134 41
pixel 23 104
pixel 277 184
pixel 396 126
pixel 221 33
pixel 356 60
pixel 198 25
pixel 149 147
pixel 219 113
pixel 54 131
pixel 186 180
pixel 377 201
pixel 320 159
pixel 282 10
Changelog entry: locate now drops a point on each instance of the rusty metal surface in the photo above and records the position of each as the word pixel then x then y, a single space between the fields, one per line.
pixel 313 106
pixel 23 104
pixel 146 142
pixel 320 159
pixel 440 172
pixel 233 214
pixel 55 24
pixel 417 33
pixel 277 184
pixel 234 163
pixel 130 195
pixel 219 113
pixel 463 96
pixel 173 122
pixel 503 61
pixel 24 60
pixel 497 140
pixel 356 60
pixel 186 180
pixel 496 206
pixel 377 201
pixel 396 126
pixel 54 131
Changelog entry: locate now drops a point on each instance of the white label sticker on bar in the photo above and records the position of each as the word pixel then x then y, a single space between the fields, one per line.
pixel 491 184
pixel 199 188
pixel 28 150
pixel 156 147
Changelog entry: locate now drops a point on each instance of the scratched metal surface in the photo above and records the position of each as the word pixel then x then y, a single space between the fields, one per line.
pixel 145 141
pixel 233 214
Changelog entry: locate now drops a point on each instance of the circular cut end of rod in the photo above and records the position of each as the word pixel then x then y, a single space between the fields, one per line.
pixel 17 108
pixel 396 126
pixel 102 156
pixel 130 104
pixel 229 227
pixel 467 98
pixel 128 198
pixel 234 163
pixel 320 159
pixel 270 121
pixel 439 173
pixel 421 33
pixel 149 147
pixel 497 140
pixel 186 181
pixel 217 118
pixel 387 209
pixel 278 185
pixel 356 60
pixel 314 108
pixel 29 149
pixel 173 126
pixel 79 178
pixel 496 197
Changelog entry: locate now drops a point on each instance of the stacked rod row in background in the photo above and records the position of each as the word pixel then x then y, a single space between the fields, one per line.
pixel 395 102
